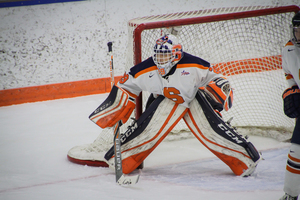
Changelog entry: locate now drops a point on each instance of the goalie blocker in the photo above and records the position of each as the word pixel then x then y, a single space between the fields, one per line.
pixel 117 106
pixel 208 127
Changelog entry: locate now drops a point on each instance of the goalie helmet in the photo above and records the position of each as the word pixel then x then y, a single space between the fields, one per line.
pixel 167 53
pixel 295 30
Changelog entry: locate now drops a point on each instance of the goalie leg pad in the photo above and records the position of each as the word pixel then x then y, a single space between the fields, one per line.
pixel 150 129
pixel 220 138
pixel 117 106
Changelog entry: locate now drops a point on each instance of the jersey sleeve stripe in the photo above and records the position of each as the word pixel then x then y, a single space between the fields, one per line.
pixel 289 44
pixel 149 69
pixel 131 94
pixel 187 65
pixel 288 76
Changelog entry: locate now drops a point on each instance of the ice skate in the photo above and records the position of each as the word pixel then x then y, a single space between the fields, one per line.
pixel 288 197
pixel 251 168
pixel 93 154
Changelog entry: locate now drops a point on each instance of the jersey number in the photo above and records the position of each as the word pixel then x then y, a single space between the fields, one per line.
pixel 173 94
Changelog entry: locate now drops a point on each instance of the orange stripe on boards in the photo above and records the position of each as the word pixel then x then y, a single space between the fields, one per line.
pixel 55 91
pixel 236 165
pixel 103 85
pixel 131 163
pixel 294 171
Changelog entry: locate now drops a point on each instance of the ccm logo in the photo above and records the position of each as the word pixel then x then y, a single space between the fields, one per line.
pixel 128 132
pixel 229 133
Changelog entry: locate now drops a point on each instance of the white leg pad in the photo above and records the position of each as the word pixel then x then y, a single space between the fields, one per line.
pixel 221 139
pixel 150 131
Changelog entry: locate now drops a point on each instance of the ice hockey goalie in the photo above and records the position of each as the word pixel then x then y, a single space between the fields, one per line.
pixel 183 86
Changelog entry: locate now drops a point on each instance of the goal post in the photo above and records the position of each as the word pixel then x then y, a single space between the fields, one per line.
pixel 243 43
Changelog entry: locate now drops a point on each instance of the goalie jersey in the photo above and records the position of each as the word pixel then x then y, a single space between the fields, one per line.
pixel 180 84
pixel 291 64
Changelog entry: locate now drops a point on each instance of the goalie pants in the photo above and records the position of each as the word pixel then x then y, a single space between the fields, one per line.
pixel 292 173
pixel 162 116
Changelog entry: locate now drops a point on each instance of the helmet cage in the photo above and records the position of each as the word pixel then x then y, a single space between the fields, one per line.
pixel 295 35
pixel 167 53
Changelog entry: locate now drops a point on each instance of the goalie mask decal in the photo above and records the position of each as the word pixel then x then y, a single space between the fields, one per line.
pixel 163 40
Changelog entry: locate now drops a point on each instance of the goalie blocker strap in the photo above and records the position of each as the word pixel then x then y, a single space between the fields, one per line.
pixel 117 106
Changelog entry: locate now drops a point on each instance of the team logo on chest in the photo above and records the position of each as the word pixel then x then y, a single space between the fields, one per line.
pixel 183 73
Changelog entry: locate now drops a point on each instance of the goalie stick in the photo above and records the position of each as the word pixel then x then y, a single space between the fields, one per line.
pixel 121 179
pixel 111 65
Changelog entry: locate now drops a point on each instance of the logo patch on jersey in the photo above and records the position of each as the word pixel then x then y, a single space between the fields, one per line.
pixel 184 73
pixel 291 49
pixel 150 75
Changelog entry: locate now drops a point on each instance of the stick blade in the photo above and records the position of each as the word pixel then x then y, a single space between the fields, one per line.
pixel 128 180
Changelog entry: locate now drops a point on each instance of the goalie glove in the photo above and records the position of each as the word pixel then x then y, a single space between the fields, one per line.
pixel 221 92
pixel 291 102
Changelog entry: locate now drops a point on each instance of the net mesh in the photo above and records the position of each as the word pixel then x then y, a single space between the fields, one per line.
pixel 246 50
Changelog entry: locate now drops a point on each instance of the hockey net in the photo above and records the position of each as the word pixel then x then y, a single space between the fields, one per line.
pixel 243 43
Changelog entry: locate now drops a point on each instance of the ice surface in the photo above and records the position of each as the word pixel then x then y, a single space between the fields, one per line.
pixel 36 137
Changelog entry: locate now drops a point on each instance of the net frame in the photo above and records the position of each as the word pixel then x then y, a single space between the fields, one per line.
pixel 161 24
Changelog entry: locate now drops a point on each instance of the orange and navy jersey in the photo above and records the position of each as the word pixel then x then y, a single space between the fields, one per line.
pixel 180 85
pixel 291 64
